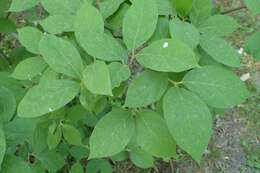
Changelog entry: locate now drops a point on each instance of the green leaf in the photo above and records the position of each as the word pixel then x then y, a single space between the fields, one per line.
pixel 104 47
pixel 109 7
pixel 92 102
pixel 39 140
pixel 141 158
pixel 93 22
pixel 37 167
pixel 189 121
pixel 76 114
pixel 71 135
pixel 47 97
pixel 56 24
pixel 13 85
pixel 185 32
pixel 118 73
pixel 7 26
pixel 49 75
pixel 99 166
pixel 205 59
pixel 253 46
pixel 217 86
pixel 30 38
pixel 115 21
pixel 139 23
pixel 4 6
pixel 96 78
pixel 61 6
pixel 167 55
pixel 13 163
pixel 2 145
pixel 219 25
pixel 201 11
pixel 89 31
pixel 146 89
pixel 54 138
pixel 183 7
pixel 19 130
pixel 153 136
pixel 220 50
pixel 52 127
pixel 18 54
pixel 162 29
pixel 122 156
pixel 164 7
pixel 253 6
pixel 61 56
pixel 29 68
pixel 51 160
pixel 79 152
pixel 18 5
pixel 111 134
pixel 77 168
pixel 7 104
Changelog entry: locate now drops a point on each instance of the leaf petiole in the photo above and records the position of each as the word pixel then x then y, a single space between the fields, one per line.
pixel 175 83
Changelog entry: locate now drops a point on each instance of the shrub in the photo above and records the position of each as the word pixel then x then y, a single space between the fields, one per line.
pixel 115 79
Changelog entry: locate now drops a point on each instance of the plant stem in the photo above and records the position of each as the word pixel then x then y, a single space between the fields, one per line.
pixel 172 166
pixel 234 9
pixel 175 83
pixel 132 57
pixel 156 170
pixel 98 4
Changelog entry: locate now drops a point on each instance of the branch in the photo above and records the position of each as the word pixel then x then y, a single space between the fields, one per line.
pixel 234 10
pixel 98 4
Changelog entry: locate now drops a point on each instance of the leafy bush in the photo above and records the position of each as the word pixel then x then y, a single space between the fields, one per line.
pixel 115 79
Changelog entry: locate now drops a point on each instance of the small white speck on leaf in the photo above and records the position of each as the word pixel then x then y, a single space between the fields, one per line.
pixel 226 158
pixel 165 45
pixel 245 77
pixel 45 33
pixel 240 51
pixel 50 109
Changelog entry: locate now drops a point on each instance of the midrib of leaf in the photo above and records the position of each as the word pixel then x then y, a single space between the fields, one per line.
pixel 69 63
pixel 138 28
pixel 183 99
pixel 161 58
pixel 60 90
pixel 215 86
pixel 64 91
pixel 152 132
pixel 189 123
pixel 211 84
